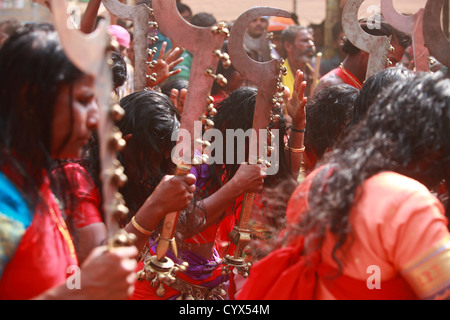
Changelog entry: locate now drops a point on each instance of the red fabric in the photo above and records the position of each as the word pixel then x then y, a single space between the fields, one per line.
pixel 227 224
pixel 348 78
pixel 88 198
pixel 206 236
pixel 218 98
pixel 43 255
pixel 284 274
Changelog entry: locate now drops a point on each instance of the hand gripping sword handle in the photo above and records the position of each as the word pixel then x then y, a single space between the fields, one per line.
pixel 241 234
pixel 170 222
pixel 264 75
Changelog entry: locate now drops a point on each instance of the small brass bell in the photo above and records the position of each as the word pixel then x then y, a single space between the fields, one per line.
pixel 152 51
pixel 116 140
pixel 153 25
pixel 210 100
pixel 117 112
pixel 221 80
pixel 161 291
pixel 119 178
pixel 154 283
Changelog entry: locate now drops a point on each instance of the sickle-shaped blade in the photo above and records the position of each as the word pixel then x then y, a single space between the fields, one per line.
pixel 201 42
pixel 89 53
pixel 377 46
pixel 411 25
pixel 75 42
pixel 435 39
pixel 140 15
pixel 263 74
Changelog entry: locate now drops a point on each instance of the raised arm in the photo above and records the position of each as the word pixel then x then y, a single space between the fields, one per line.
pixel 90 16
pixel 296 110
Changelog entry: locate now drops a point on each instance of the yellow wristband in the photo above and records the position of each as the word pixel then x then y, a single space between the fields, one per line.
pixel 294 150
pixel 139 228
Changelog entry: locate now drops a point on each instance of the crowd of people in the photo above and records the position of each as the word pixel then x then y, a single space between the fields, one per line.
pixel 358 208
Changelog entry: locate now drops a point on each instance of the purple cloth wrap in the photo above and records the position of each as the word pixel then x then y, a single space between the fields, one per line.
pixel 199 268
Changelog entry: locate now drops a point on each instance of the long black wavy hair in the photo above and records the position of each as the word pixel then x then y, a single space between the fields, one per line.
pixel 327 116
pixel 236 112
pixel 149 122
pixel 373 86
pixel 33 70
pixel 407 131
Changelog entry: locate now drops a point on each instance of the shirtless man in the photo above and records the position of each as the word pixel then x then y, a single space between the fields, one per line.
pixel 354 67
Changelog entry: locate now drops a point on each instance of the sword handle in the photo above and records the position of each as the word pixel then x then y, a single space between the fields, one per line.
pixel 240 235
pixel 170 223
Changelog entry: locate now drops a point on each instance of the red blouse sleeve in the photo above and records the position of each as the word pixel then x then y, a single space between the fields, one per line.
pixel 86 210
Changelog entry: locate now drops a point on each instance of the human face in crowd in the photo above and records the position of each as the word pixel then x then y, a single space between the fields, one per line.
pixel 257 27
pixel 76 116
pixel 396 56
pixel 303 49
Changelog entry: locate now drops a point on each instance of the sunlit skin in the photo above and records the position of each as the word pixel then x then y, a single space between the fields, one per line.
pixel 257 27
pixel 45 3
pixel 75 117
pixel 303 50
pixel 397 55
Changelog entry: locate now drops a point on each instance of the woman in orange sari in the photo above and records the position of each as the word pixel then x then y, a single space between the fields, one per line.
pixel 364 225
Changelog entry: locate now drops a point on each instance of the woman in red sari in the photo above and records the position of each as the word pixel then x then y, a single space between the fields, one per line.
pixel 364 224
pixel 47 111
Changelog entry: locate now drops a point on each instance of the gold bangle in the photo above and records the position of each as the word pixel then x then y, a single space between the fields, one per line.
pixel 139 228
pixel 294 150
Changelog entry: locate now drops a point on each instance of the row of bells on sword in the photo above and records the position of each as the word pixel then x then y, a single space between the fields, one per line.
pixel 160 272
pixel 165 271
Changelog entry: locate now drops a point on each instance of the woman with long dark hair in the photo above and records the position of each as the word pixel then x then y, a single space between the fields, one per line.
pixel 364 224
pixel 202 233
pixel 47 112
pixel 196 234
pixel 151 190
pixel 327 116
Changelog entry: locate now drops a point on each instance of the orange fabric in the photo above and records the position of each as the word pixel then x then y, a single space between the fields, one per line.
pixel 395 221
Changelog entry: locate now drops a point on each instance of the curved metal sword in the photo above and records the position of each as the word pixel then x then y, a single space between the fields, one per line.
pixel 411 25
pixel 435 39
pixel 140 15
pixel 265 76
pixel 89 52
pixel 377 46
pixel 202 42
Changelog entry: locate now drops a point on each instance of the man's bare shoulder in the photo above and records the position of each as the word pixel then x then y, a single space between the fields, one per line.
pixel 330 79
